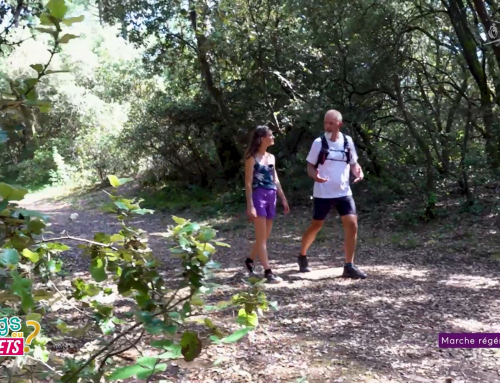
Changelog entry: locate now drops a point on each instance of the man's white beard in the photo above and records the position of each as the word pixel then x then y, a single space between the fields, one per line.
pixel 328 135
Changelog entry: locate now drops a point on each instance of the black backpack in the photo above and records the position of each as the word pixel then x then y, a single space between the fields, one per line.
pixel 325 149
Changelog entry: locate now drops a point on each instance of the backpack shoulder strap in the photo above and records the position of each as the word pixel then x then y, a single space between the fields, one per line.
pixel 346 149
pixel 323 153
pixel 324 144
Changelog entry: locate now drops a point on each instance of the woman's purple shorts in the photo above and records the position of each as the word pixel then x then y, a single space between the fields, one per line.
pixel 264 201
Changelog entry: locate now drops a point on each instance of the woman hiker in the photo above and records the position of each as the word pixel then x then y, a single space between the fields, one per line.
pixel 262 187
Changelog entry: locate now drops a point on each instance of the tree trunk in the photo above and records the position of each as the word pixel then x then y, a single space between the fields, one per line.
pixel 369 149
pixel 487 23
pixel 430 186
pixel 465 178
pixel 227 149
pixel 99 6
pixel 458 16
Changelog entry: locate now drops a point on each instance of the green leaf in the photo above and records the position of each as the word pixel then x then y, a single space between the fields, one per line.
pixel 219 360
pixel 102 238
pixel 67 38
pixel 22 288
pixel 274 305
pixel 121 205
pixel 34 316
pixel 125 372
pixel 57 8
pixel 213 265
pixel 54 266
pixel 107 326
pixel 164 343
pixel 20 241
pixel 47 30
pixel 178 220
pixel 237 335
pixel 142 211
pixel 215 339
pixel 56 247
pixel 145 367
pixel 174 352
pixel 222 244
pixel 190 228
pixel 97 270
pixel 115 182
pixel 46 19
pixel 31 213
pixel 206 235
pixel 147 373
pixel 61 325
pixel 36 226
pixel 33 257
pixel 247 319
pixel 57 71
pixel 41 354
pixel 172 329
pixel 71 20
pixel 43 105
pixel 9 257
pixel 191 345
pixel 37 67
pixel 10 193
pixel 42 295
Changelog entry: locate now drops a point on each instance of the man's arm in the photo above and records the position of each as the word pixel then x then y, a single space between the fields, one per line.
pixel 355 167
pixel 311 171
pixel 311 159
pixel 357 171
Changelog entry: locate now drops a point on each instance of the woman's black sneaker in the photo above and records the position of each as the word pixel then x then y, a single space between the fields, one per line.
pixel 303 264
pixel 250 267
pixel 351 271
pixel 271 277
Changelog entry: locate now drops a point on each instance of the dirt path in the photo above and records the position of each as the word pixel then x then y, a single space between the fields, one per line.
pixel 382 329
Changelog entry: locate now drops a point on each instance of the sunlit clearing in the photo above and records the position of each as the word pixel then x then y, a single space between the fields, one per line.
pixel 473 325
pixel 468 281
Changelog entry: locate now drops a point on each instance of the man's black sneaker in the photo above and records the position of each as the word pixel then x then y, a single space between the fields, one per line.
pixel 351 271
pixel 303 264
pixel 273 278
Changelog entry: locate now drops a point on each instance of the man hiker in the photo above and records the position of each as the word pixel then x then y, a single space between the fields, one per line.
pixel 331 159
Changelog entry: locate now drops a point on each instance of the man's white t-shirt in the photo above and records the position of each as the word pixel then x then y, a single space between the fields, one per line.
pixel 336 171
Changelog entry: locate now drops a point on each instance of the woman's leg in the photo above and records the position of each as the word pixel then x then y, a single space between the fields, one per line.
pixel 269 227
pixel 260 224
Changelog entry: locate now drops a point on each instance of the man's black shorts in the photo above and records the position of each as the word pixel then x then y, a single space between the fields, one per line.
pixel 322 206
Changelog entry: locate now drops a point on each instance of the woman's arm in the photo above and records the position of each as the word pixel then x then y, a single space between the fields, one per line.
pixel 280 191
pixel 249 164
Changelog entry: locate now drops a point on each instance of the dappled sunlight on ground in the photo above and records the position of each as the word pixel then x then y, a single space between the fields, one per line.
pixel 471 325
pixel 327 328
pixel 468 281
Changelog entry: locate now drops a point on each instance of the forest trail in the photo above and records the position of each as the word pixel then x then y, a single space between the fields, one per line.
pixel 439 278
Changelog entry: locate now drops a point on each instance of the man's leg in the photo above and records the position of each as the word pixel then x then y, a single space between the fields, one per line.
pixel 347 210
pixel 321 209
pixel 310 235
pixel 350 224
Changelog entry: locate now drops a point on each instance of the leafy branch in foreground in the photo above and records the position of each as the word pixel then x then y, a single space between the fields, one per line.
pixel 22 92
pixel 169 315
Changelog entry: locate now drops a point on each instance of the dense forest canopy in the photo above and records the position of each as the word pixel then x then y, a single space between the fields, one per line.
pixel 95 94
pixel 172 89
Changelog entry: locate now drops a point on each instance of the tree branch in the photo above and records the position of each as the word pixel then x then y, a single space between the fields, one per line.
pixel 77 239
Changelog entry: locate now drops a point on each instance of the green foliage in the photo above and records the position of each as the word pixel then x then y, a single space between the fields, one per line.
pixel 120 265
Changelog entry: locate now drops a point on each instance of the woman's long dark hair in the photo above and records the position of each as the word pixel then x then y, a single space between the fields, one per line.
pixel 258 134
